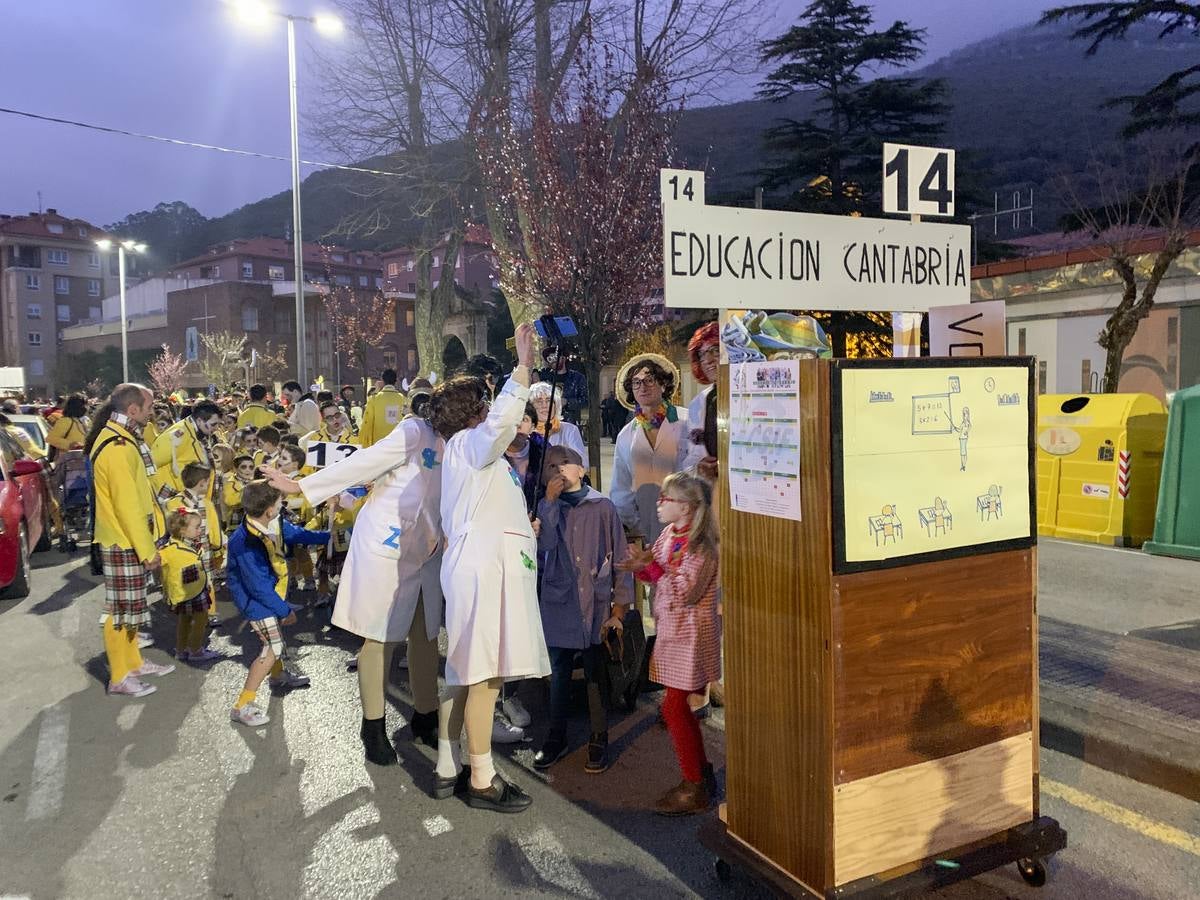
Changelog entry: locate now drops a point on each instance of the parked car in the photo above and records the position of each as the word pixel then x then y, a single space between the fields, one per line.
pixel 33 425
pixel 24 507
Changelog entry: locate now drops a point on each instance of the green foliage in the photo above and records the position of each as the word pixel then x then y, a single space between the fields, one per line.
pixel 172 232
pixel 77 370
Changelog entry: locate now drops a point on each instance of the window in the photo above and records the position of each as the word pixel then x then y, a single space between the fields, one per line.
pixel 25 257
pixel 358 261
pixel 408 318
pixel 34 310
pixel 93 287
pixel 412 360
pixel 408 266
pixel 1041 376
pixel 344 280
pixel 33 282
pixel 54 228
pixel 393 269
pixel 1020 342
pixel 37 367
pixel 83 231
pixel 283 321
pixel 213 272
pixel 339 257
pixel 364 281
pixel 247 269
pixel 378 283
pixel 95 313
pixel 62 284
pixel 389 359
pixel 93 260
pixel 35 339
pixel 435 261
pixel 249 318
pixel 62 312
pixel 275 273
pixel 412 287
pixel 58 257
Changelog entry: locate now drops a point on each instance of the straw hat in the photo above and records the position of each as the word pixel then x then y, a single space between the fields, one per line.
pixel 632 365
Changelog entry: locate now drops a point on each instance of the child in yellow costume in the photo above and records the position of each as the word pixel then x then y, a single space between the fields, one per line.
pixel 185 584
pixel 197 489
pixel 231 492
pixel 297 510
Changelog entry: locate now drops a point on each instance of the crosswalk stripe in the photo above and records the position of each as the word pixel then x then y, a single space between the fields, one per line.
pixel 549 859
pixel 49 765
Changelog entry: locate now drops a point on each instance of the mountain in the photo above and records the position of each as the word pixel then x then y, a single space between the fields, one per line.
pixel 1026 106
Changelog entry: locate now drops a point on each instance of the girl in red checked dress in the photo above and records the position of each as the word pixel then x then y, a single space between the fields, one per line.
pixel 687 651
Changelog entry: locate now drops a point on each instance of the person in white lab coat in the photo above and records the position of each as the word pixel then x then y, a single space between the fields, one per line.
pixel 652 445
pixel 489 577
pixel 390 586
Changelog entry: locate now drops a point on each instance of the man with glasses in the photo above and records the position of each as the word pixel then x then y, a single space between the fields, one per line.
pixel 187 441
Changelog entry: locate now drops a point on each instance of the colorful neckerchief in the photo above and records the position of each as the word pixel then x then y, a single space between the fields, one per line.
pixel 664 413
pixel 135 432
pixel 679 544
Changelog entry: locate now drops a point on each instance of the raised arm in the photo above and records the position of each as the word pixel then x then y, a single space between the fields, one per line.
pixel 486 442
pixel 365 465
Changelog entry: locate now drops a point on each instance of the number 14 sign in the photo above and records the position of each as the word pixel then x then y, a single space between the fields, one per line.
pixel 918 181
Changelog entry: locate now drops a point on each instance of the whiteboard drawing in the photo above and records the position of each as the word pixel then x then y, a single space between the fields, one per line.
pixel 964 431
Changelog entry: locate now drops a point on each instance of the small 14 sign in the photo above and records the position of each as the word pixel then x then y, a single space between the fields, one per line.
pixel 918 181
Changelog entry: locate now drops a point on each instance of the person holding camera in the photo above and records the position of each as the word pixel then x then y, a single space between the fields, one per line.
pixel 572 385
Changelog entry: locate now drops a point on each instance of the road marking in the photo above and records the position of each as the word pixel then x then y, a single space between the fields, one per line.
pixel 550 860
pixel 1119 815
pixel 49 765
pixel 436 825
pixel 129 715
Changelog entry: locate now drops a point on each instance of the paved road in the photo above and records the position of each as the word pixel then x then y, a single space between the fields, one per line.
pixel 163 797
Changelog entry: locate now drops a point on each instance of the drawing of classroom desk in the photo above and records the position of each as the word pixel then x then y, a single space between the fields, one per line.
pixel 937 516
pixel 989 503
pixel 887 525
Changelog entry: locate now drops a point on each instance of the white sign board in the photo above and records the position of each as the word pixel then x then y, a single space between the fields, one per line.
pixel 191 344
pixel 974 329
pixel 918 181
pixel 326 453
pixel 722 256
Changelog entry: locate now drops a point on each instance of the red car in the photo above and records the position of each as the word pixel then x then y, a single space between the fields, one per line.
pixel 24 509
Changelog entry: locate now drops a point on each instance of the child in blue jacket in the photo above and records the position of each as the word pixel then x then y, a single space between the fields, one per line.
pixel 257 573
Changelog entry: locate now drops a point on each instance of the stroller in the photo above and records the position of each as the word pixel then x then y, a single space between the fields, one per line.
pixel 71 477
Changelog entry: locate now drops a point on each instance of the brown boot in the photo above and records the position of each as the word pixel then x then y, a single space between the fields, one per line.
pixel 685 799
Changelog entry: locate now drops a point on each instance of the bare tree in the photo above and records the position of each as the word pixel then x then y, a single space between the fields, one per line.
pixel 221 363
pixel 1138 206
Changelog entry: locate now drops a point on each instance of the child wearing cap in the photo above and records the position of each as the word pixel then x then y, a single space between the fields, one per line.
pixel 583 595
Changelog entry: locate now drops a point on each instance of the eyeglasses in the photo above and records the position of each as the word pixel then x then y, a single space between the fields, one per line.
pixel 663 498
pixel 648 381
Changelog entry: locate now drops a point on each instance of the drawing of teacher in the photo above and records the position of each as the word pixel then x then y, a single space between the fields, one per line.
pixel 964 430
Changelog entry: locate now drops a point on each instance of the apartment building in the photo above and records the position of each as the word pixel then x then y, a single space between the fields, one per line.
pixel 263 259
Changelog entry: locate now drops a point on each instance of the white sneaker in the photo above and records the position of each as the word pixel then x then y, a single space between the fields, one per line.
pixel 516 712
pixel 289 680
pixel 131 686
pixel 151 668
pixel 352 664
pixel 144 640
pixel 504 733
pixel 250 716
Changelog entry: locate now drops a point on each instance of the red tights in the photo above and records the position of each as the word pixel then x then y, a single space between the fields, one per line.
pixel 685 734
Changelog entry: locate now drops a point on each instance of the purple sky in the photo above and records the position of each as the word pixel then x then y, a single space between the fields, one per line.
pixel 185 69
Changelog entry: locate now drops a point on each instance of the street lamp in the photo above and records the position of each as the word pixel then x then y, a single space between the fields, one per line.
pixel 123 247
pixel 258 13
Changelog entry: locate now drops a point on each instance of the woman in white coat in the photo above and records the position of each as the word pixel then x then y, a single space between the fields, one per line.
pixel 562 433
pixel 489 577
pixel 390 587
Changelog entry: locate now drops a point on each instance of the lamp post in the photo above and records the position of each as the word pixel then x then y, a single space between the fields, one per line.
pixel 257 12
pixel 132 247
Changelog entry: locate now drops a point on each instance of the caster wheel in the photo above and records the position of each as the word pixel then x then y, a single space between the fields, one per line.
pixel 1033 871
pixel 724 871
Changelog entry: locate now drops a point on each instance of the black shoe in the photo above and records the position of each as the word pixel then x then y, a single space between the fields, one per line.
pixel 376 744
pixel 554 749
pixel 709 777
pixel 425 728
pixel 499 797
pixel 448 787
pixel 597 760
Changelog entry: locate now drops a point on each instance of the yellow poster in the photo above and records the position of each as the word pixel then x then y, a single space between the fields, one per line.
pixel 933 459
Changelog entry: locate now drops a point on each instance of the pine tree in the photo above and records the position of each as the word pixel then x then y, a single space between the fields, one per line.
pixel 832 160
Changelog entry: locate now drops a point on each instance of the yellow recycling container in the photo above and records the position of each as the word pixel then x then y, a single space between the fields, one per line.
pixel 1098 463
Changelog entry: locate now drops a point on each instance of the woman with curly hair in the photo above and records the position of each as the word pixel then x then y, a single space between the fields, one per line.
pixel 489 577
pixel 704 350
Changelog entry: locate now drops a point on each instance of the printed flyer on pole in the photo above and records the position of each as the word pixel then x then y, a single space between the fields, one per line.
pixel 764 438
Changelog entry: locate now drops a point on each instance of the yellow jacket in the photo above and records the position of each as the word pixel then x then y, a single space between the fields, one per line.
pixel 65 433
pixel 175 448
pixel 231 494
pixel 255 414
pixel 183 572
pixel 212 519
pixel 150 433
pixel 383 413
pixel 126 514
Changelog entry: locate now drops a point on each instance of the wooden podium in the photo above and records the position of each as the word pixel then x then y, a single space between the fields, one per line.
pixel 881 682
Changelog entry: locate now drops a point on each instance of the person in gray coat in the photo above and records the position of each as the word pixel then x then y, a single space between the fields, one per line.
pixel 582 596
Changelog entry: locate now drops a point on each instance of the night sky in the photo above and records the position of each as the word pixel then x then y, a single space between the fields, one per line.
pixel 186 69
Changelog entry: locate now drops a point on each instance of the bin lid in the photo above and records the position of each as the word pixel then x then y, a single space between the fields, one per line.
pixel 1096 408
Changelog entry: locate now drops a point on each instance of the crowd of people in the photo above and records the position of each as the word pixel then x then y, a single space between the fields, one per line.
pixel 463 504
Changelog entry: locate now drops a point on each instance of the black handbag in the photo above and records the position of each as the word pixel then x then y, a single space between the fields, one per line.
pixel 624 663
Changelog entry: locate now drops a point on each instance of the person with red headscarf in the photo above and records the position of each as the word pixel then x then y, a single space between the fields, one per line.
pixel 705 351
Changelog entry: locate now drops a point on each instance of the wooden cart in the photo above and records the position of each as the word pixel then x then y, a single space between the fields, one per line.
pixel 881 698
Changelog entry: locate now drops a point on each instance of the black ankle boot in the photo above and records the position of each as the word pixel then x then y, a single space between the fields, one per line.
pixel 425 728
pixel 554 749
pixel 376 744
pixel 597 760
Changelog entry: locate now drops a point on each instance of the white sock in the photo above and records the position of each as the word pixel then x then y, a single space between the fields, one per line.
pixel 449 761
pixel 482 770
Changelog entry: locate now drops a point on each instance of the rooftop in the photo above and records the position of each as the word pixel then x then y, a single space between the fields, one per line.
pixel 280 248
pixel 50 225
